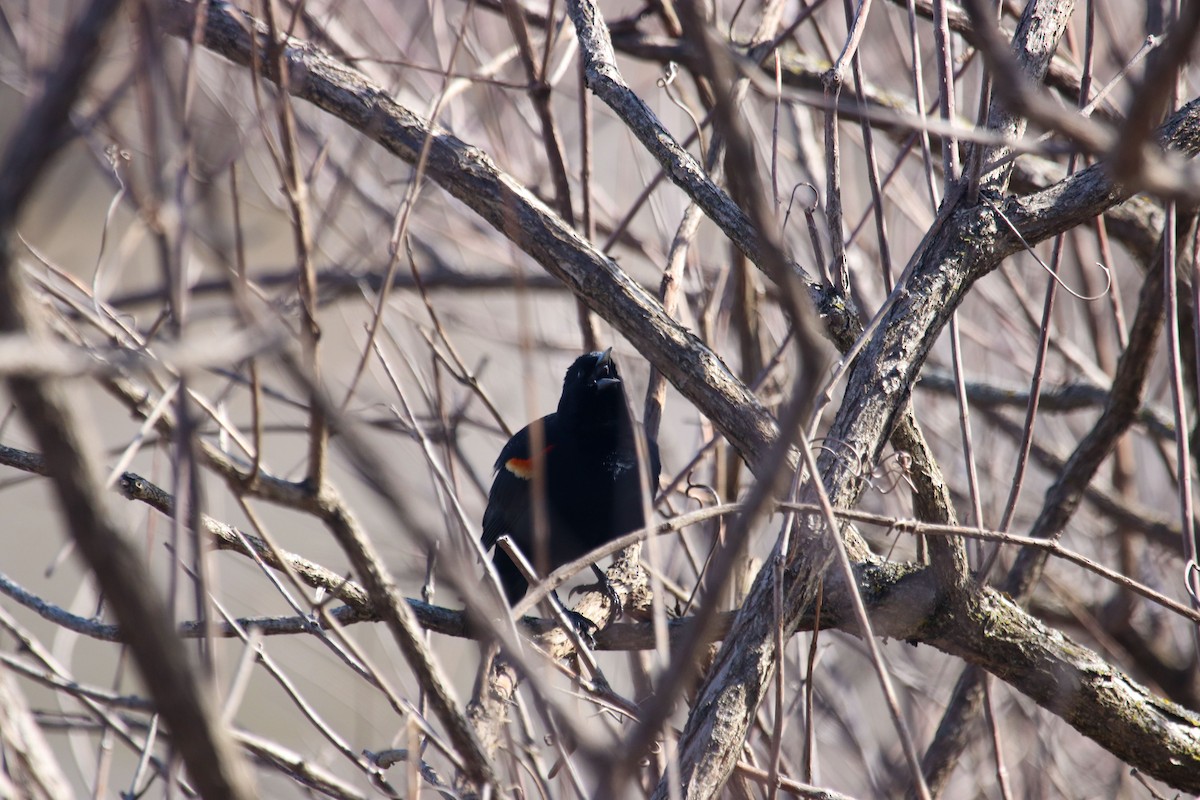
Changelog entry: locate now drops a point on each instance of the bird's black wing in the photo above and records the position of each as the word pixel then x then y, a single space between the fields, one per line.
pixel 509 509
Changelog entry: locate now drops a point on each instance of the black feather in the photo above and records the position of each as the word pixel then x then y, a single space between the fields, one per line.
pixel 593 484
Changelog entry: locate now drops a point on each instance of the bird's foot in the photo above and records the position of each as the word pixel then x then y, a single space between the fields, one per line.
pixel 583 626
pixel 605 587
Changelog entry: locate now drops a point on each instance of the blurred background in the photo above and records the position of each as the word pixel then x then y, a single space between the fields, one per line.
pixel 175 182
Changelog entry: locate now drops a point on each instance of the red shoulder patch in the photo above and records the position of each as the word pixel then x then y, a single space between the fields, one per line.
pixel 523 467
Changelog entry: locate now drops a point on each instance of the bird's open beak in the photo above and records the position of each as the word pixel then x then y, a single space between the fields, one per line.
pixel 602 376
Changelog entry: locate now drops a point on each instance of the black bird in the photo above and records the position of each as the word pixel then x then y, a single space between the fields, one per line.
pixel 593 484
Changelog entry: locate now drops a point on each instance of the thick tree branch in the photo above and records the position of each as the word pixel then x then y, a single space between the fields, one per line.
pixel 470 175
pixel 965 246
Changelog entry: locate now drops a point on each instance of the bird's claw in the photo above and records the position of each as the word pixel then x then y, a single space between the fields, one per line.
pixel 583 626
pixel 604 586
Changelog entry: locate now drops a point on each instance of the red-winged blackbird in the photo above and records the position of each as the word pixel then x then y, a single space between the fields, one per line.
pixel 593 485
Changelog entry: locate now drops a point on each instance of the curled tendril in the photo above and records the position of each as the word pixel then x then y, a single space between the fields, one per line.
pixel 897 468
pixel 702 488
pixel 737 12
pixel 1053 275
pixel 1190 573
pixel 669 76
pixel 813 234
pixel 845 452
pixel 810 209
pixel 664 82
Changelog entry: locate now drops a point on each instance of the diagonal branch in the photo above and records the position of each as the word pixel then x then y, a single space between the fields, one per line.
pixel 970 242
pixel 472 177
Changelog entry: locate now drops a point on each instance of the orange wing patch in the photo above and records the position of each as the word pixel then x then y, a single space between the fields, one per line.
pixel 523 467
